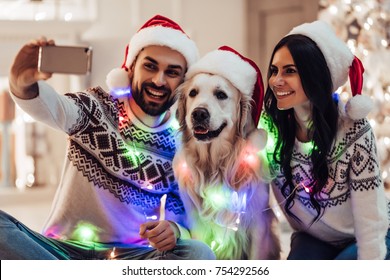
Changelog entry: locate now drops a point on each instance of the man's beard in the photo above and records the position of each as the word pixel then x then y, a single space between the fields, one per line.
pixel 152 108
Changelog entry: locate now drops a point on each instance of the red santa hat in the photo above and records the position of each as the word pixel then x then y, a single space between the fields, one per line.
pixel 341 63
pixel 242 72
pixel 158 31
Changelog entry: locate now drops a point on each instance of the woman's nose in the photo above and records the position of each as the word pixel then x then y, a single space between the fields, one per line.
pixel 278 80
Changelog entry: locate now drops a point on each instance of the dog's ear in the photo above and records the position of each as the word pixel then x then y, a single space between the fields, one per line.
pixel 245 124
pixel 181 106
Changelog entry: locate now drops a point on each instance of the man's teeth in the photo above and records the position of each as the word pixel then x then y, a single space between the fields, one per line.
pixel 156 93
pixel 283 93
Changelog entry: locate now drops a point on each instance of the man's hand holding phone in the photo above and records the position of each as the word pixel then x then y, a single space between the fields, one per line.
pixel 24 71
pixel 39 59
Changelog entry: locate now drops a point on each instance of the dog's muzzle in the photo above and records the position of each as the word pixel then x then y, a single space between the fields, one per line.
pixel 200 118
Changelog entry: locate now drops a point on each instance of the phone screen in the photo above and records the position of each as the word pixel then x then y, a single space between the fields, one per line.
pixel 65 59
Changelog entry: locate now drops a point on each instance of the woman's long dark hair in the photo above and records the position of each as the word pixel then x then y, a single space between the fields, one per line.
pixel 317 85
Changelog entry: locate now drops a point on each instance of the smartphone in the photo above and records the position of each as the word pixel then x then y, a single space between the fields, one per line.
pixel 65 59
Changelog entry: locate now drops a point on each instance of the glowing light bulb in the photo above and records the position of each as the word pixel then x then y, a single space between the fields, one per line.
pixel 175 124
pixel 250 158
pixel 184 168
pixel 85 232
pixel 333 9
pixel 68 16
pixel 306 186
pixel 112 254
pixel 121 91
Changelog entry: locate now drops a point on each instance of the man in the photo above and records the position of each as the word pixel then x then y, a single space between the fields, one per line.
pixel 117 197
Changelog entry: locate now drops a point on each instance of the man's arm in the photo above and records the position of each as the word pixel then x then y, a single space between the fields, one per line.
pixel 24 73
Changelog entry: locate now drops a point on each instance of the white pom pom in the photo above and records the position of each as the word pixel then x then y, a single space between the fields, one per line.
pixel 359 107
pixel 257 139
pixel 117 78
pixel 341 106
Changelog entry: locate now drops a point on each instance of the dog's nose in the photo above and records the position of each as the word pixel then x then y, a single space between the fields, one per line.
pixel 200 115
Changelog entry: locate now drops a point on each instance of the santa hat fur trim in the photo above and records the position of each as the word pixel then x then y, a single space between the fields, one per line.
pixel 242 72
pixel 337 55
pixel 341 64
pixel 228 65
pixel 158 31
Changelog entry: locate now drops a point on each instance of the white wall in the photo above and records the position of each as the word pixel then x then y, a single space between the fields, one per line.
pixel 210 23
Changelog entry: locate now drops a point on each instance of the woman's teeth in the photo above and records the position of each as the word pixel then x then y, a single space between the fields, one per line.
pixel 283 93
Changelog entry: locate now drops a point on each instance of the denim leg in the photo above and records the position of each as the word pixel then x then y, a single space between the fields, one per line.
pixel 350 252
pixel 186 249
pixel 189 249
pixel 306 247
pixel 18 242
pixel 388 245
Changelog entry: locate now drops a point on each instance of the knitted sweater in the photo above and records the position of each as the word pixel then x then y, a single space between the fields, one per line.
pixel 353 202
pixel 116 169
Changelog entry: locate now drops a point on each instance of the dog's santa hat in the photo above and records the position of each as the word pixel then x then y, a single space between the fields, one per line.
pixel 341 64
pixel 242 72
pixel 158 31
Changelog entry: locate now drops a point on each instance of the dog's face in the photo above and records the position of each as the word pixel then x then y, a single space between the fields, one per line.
pixel 209 107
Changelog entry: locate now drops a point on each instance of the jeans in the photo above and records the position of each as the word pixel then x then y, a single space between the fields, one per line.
pixel 19 242
pixel 306 247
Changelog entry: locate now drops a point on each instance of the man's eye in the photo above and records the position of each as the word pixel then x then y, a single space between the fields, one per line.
pixel 150 66
pixel 172 73
pixel 193 93
pixel 221 95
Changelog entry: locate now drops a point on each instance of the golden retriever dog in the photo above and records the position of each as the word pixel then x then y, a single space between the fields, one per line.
pixel 217 164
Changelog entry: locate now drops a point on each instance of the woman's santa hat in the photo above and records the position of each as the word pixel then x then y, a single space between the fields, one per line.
pixel 242 72
pixel 341 63
pixel 157 31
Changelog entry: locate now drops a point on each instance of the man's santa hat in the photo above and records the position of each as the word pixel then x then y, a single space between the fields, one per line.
pixel 157 31
pixel 341 63
pixel 242 72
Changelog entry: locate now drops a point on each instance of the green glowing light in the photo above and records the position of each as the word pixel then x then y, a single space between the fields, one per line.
pixel 85 232
pixel 308 147
pixel 217 198
pixel 175 124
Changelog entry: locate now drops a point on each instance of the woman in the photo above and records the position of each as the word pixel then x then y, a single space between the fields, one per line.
pixel 324 158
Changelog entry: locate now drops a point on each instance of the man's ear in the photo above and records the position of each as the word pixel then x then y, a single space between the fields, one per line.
pixel 130 71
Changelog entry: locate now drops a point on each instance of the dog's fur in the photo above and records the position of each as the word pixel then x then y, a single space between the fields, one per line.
pixel 219 173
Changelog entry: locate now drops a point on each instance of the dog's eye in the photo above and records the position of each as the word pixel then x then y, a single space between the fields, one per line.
pixel 221 95
pixel 193 93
